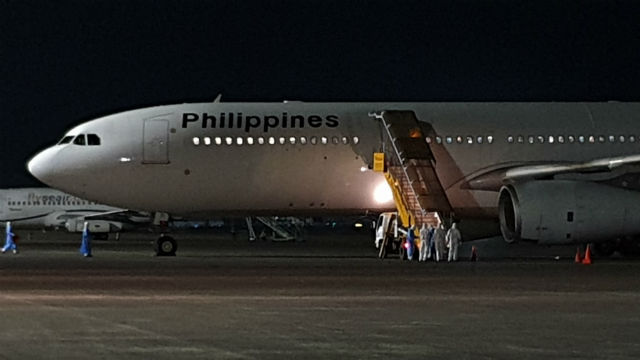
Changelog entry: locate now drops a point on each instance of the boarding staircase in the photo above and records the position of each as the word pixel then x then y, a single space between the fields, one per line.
pixel 410 170
pixel 279 232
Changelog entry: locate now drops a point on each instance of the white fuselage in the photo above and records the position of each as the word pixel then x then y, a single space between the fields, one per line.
pixel 169 159
pixel 43 208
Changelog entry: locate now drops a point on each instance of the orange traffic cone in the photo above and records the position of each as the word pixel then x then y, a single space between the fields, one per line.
pixel 578 259
pixel 474 254
pixel 587 256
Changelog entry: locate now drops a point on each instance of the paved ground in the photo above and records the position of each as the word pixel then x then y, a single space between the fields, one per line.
pixel 328 297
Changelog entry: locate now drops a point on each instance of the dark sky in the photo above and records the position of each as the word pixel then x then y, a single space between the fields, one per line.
pixel 64 62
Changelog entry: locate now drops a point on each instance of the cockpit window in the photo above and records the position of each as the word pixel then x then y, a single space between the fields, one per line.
pixel 65 140
pixel 93 139
pixel 79 140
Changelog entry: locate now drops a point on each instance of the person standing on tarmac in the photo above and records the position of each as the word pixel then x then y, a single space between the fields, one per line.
pixel 431 251
pixel 424 243
pixel 411 239
pixel 439 239
pixel 453 242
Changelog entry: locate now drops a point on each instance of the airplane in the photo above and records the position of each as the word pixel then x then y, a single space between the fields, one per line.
pixel 552 173
pixel 51 209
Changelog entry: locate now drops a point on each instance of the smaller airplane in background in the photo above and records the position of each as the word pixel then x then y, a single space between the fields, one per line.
pixel 46 208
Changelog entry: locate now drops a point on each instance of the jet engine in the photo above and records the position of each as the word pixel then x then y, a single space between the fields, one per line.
pixel 566 211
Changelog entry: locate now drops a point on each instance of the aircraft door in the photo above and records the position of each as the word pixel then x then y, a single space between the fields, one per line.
pixel 155 141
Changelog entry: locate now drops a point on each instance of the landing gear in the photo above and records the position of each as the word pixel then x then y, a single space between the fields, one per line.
pixel 604 249
pixel 630 246
pixel 165 246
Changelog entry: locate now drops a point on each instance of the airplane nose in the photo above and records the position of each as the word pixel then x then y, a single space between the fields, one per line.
pixel 43 166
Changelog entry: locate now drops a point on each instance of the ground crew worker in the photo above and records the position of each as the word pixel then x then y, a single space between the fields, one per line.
pixel 9 243
pixel 439 236
pixel 431 251
pixel 424 243
pixel 411 239
pixel 453 242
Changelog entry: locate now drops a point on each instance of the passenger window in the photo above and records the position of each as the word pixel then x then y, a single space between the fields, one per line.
pixel 272 140
pixel 581 139
pixel 428 140
pixel 314 140
pixel 479 139
pixel 510 139
pixel 571 138
pixel 250 140
pixel 459 139
pixel 196 141
pixel 207 140
pixel 260 140
pixel 303 140
pixel 229 140
pixel 490 139
pixel 79 140
pixel 551 139
pixel 335 140
pixel 540 139
pixel 345 140
pixel 592 139
pixel 438 140
pixel 282 140
pixel 469 140
pixel 449 139
pixel 561 139
pixel 601 139
pixel 239 140
pixel 93 140
pixel 356 140
pixel 65 140
pixel 218 140
pixel 632 138
pixel 324 140
pixel 612 138
pixel 621 138
pixel 531 139
pixel 292 140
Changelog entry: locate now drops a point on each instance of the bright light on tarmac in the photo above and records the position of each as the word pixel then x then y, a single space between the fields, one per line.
pixel 382 193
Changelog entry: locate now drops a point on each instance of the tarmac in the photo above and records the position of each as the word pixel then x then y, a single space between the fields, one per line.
pixel 327 297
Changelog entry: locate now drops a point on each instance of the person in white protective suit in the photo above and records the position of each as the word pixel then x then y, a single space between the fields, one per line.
pixel 424 242
pixel 454 239
pixel 439 236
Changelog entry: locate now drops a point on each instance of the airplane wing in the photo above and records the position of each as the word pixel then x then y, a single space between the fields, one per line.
pixel 493 179
pixel 122 215
pixel 593 166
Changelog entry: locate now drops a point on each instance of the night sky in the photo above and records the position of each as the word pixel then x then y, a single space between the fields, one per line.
pixel 65 62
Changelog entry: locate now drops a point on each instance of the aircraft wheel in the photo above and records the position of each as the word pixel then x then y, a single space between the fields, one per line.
pixel 165 246
pixel 630 247
pixel 605 249
pixel 402 252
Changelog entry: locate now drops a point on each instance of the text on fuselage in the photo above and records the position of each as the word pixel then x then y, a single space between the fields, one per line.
pixel 237 120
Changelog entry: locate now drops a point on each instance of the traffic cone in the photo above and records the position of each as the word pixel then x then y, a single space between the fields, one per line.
pixel 587 256
pixel 85 246
pixel 474 254
pixel 578 259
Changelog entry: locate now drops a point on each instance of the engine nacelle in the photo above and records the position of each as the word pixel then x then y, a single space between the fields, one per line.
pixel 565 212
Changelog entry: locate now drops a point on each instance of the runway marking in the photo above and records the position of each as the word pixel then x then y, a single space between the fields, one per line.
pixel 549 295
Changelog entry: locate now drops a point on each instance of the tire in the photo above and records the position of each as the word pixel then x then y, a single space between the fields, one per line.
pixel 630 247
pixel 605 249
pixel 165 246
pixel 402 252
